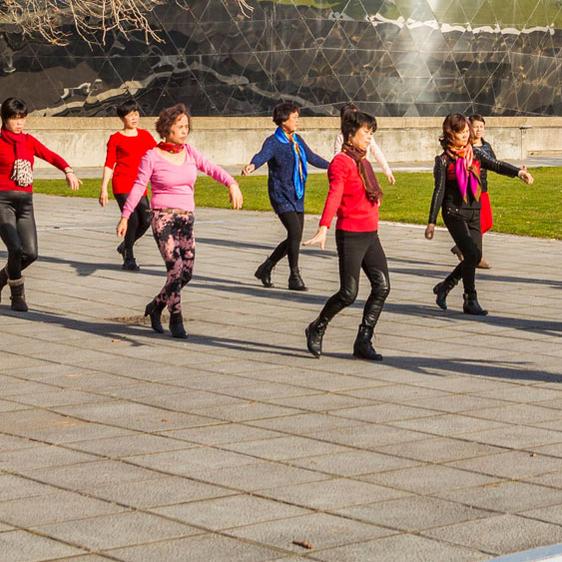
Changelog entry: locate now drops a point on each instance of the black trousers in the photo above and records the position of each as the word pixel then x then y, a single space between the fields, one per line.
pixel 18 230
pixel 139 221
pixel 464 226
pixel 294 223
pixel 359 251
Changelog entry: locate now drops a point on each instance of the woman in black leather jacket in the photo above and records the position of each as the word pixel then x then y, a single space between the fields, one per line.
pixel 457 193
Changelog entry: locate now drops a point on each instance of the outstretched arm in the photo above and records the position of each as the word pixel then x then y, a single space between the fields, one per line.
pixel 264 155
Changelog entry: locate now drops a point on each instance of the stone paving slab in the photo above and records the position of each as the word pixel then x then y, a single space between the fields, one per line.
pixel 236 444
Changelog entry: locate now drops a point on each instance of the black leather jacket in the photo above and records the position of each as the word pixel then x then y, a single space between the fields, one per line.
pixel 446 192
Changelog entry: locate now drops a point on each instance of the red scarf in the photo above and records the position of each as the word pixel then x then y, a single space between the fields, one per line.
pixel 467 171
pixel 368 177
pixel 22 173
pixel 170 147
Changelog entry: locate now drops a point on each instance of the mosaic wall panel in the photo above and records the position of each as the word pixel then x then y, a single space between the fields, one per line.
pixel 393 57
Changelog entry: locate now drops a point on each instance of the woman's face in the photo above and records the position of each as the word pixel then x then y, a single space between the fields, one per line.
pixel 479 129
pixel 179 130
pixel 131 120
pixel 461 138
pixel 15 124
pixel 362 138
pixel 292 123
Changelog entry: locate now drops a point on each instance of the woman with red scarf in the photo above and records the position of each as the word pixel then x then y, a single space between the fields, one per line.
pixel 17 222
pixel 354 196
pixel 171 169
pixel 458 190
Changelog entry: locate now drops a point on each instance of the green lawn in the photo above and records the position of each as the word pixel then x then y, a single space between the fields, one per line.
pixel 518 209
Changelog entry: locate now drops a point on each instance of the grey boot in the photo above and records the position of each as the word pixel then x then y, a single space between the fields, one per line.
pixel 18 295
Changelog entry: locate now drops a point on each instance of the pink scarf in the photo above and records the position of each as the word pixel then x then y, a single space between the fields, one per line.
pixel 467 171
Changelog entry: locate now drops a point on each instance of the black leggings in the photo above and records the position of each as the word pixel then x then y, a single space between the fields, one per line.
pixel 294 223
pixel 356 251
pixel 17 230
pixel 464 227
pixel 139 221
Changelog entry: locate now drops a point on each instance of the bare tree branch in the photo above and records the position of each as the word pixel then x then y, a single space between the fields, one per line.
pixel 46 18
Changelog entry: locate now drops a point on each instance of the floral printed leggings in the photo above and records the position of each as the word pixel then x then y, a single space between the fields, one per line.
pixel 173 233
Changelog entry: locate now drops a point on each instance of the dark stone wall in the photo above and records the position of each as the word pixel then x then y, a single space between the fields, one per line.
pixel 394 58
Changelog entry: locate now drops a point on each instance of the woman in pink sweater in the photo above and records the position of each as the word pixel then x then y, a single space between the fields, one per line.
pixel 171 168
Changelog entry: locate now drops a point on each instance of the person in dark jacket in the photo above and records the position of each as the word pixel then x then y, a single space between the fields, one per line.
pixel 458 189
pixel 481 146
pixel 287 157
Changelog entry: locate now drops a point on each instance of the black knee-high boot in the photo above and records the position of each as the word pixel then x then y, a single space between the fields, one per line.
pixel 363 345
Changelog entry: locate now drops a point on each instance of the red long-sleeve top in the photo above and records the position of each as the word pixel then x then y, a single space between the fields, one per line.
pixel 8 157
pixel 348 199
pixel 125 153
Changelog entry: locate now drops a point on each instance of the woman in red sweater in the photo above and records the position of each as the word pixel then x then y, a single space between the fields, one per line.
pixel 355 196
pixel 125 149
pixel 17 222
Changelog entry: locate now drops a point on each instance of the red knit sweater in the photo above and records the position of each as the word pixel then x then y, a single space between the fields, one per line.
pixel 125 154
pixel 348 199
pixel 8 157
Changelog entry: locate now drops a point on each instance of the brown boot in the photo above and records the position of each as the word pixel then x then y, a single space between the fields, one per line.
pixel 3 281
pixel 18 295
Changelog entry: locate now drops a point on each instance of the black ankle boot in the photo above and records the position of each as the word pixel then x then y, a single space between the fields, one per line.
pixel 441 290
pixel 154 310
pixel 263 272
pixel 3 281
pixel 363 348
pixel 18 295
pixel 295 281
pixel 472 306
pixel 176 325
pixel 314 334
pixel 129 261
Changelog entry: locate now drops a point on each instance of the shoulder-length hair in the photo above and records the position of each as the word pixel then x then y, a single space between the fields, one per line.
pixel 455 123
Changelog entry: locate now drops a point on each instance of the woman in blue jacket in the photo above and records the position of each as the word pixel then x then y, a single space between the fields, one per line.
pixel 287 157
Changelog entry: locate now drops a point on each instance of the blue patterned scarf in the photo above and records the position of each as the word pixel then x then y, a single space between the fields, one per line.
pixel 300 170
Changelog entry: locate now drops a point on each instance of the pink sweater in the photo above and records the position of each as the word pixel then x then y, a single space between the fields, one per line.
pixel 172 185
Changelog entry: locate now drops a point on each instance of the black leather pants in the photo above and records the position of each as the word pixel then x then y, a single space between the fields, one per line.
pixel 17 230
pixel 356 251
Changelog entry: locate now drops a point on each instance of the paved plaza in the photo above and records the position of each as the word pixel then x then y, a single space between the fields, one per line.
pixel 236 445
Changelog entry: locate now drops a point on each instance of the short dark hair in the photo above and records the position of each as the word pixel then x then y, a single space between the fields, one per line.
pixel 283 110
pixel 168 117
pixel 455 123
pixel 12 108
pixel 127 107
pixel 346 109
pixel 354 121
pixel 476 117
